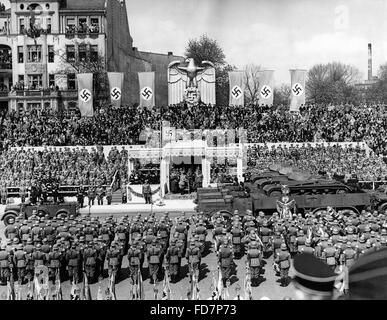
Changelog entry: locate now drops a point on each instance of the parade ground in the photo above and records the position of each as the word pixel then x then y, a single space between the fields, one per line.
pixel 268 286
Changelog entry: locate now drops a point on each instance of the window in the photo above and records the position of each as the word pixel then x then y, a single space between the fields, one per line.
pixel 70 53
pixel 70 25
pixel 34 53
pixel 51 54
pixel 21 25
pixel 51 80
pixel 94 25
pixel 20 54
pixel 82 52
pixel 35 81
pixel 72 106
pixel 94 53
pixel 71 81
pixel 21 78
pixel 82 25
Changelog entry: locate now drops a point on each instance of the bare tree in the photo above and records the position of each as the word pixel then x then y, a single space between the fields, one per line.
pixel 251 79
pixel 281 95
pixel 332 83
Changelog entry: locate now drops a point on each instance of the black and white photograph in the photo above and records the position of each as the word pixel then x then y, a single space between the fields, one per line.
pixel 193 150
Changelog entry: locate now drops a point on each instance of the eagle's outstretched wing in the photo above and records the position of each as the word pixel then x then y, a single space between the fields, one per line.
pixel 177 81
pixel 206 82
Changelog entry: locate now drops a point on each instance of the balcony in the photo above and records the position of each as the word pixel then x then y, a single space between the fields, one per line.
pixel 34 93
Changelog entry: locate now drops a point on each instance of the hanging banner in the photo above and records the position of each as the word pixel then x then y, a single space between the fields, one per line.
pixel 237 88
pixel 85 94
pixel 116 80
pixel 147 89
pixel 266 87
pixel 297 89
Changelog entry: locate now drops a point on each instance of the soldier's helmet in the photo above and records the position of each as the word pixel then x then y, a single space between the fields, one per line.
pixel 29 241
pixel 150 231
pixel 335 231
pixel 362 239
pixel 383 232
pixel 350 230
pixel 301 232
pixel 24 222
pixel 308 242
pixel 283 247
pixel 100 238
pixel 15 241
pixel 11 220
pixel 154 241
pixel 55 247
pixel 329 242
pixel 38 246
pixel 19 246
pixel 261 214
pixel 264 223
pixel 253 244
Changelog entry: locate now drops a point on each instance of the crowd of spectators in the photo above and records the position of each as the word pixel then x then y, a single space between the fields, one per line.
pixel 128 125
pixel 64 166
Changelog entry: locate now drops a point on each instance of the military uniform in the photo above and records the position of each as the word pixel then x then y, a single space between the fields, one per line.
pixel 330 256
pixel 173 258
pixel 90 262
pixel 113 259
pixel 73 259
pixel 236 238
pixel 225 258
pixel 134 259
pixel 54 262
pixel 154 254
pixel 254 255
pixel 283 261
pixel 5 265
pixel 20 262
pixel 109 195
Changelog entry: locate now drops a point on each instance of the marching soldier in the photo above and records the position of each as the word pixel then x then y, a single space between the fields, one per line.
pixel 236 237
pixel 20 261
pixel 113 258
pixel 308 248
pixel 49 233
pixel 254 255
pixel 348 256
pixel 193 257
pixel 29 249
pixel 277 242
pixel 122 236
pixel 154 254
pixel 36 233
pixel 24 231
pixel 330 255
pixel 73 259
pixel 282 259
pixel 265 234
pixel 38 256
pixel 134 258
pixel 10 230
pixel 225 260
pixel 173 258
pixel 300 240
pixel 101 255
pixel 90 261
pixel 54 262
pixel 5 264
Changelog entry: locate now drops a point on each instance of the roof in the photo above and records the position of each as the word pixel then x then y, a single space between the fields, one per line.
pixel 85 5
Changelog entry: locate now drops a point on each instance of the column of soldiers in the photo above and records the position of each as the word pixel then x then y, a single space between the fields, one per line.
pixel 96 192
pixel 71 246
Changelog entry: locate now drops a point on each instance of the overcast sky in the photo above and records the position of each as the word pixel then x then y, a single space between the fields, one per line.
pixel 277 35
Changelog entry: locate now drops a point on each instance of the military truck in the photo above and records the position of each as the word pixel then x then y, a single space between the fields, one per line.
pixel 53 210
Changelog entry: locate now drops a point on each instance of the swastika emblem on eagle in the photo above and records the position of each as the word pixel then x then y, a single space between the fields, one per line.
pixel 297 89
pixel 115 93
pixel 85 95
pixel 236 92
pixel 146 93
pixel 266 92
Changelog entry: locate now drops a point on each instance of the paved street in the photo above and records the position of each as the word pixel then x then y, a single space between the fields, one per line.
pixel 269 287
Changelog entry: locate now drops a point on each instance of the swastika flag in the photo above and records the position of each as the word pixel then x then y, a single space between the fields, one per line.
pixel 266 87
pixel 147 89
pixel 116 80
pixel 237 88
pixel 297 89
pixel 85 94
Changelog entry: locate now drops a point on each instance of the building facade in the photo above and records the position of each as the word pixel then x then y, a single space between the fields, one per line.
pixel 45 43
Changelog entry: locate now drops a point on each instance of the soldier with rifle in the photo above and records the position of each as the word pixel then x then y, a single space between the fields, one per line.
pixel 225 260
pixel 5 264
pixel 90 262
pixel 134 258
pixel 20 262
pixel 73 259
pixel 113 258
pixel 193 257
pixel 254 256
pixel 282 261
pixel 154 255
pixel 173 259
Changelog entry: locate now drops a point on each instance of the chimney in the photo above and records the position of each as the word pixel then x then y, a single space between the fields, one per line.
pixel 369 62
pixel 170 53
